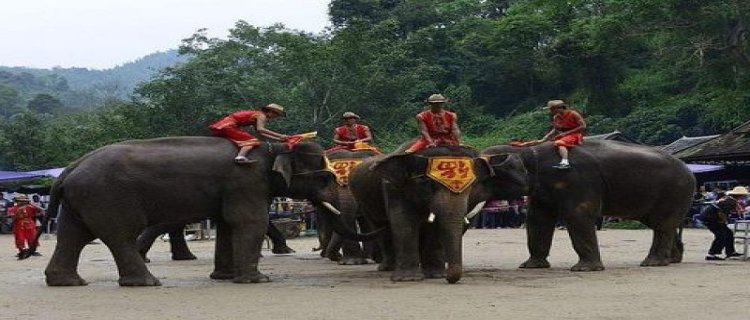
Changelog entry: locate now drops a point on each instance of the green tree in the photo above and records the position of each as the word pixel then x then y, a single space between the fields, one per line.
pixel 44 103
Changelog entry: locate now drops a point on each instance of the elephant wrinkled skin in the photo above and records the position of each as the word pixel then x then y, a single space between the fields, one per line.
pixel 115 192
pixel 394 192
pixel 607 178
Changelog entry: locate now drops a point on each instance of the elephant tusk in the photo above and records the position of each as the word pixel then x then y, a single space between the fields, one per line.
pixel 476 210
pixel 466 221
pixel 431 218
pixel 330 207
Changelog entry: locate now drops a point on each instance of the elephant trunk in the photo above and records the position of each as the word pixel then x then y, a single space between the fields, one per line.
pixel 449 211
pixel 341 227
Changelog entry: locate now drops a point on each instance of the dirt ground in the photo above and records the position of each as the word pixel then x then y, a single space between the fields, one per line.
pixel 304 286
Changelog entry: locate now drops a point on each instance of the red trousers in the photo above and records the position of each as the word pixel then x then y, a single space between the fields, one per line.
pixel 240 137
pixel 443 140
pixel 25 237
pixel 570 140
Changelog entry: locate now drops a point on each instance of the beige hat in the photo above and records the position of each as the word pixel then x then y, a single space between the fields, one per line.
pixel 349 114
pixel 436 98
pixel 21 198
pixel 275 108
pixel 554 104
pixel 738 191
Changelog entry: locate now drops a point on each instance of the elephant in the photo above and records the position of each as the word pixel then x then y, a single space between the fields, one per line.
pixel 115 192
pixel 394 191
pixel 342 162
pixel 178 245
pixel 607 178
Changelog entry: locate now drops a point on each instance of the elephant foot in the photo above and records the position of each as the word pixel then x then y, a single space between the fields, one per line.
pixel 454 274
pixel 178 257
pixel 655 262
pixel 139 281
pixel 434 273
pixel 587 266
pixel 535 263
pixel 255 277
pixel 407 275
pixel 386 267
pixel 333 256
pixel 65 280
pixel 282 250
pixel 222 275
pixel 350 261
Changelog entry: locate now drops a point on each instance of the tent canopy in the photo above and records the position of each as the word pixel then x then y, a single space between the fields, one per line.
pixel 6 176
pixel 698 168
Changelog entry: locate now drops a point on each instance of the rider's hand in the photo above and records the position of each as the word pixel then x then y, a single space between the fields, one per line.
pixel 285 137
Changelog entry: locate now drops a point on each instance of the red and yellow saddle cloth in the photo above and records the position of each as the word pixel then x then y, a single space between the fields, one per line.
pixel 455 173
pixel 342 168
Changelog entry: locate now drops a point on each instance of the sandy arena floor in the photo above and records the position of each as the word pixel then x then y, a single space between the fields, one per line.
pixel 304 286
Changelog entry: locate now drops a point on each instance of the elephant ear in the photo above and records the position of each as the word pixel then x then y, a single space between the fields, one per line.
pixel 283 166
pixel 393 168
pixel 504 163
pixel 482 168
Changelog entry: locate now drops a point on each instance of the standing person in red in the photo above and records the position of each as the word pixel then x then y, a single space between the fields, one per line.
pixel 437 126
pixel 24 225
pixel 567 130
pixel 352 135
pixel 229 128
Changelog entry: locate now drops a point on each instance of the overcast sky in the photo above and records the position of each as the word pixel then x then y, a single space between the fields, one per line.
pixel 104 33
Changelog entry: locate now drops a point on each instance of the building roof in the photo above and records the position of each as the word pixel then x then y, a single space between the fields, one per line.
pixel 686 142
pixel 614 135
pixel 734 145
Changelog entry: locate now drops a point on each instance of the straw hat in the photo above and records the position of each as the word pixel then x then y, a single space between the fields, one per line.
pixel 21 198
pixel 554 104
pixel 349 114
pixel 275 108
pixel 436 98
pixel 738 191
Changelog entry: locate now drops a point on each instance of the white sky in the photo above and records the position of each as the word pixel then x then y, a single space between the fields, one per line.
pixel 105 33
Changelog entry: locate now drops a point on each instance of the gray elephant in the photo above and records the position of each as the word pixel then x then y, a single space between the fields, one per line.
pixel 607 178
pixel 342 163
pixel 404 192
pixel 115 192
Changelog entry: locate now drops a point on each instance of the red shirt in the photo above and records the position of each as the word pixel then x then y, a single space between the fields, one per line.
pixel 438 124
pixel 344 133
pixel 568 120
pixel 23 216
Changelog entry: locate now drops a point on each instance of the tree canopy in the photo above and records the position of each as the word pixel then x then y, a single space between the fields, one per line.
pixel 655 70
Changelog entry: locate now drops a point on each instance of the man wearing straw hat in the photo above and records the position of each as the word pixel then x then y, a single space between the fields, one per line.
pixel 715 217
pixel 24 225
pixel 229 128
pixel 352 135
pixel 436 125
pixel 567 130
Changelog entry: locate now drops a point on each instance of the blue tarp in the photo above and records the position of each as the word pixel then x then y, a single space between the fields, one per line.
pixel 54 172
pixel 6 176
pixel 698 168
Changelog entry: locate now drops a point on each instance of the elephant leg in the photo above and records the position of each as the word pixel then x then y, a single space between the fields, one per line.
pixel 540 227
pixel 223 257
pixel 248 222
pixel 432 257
pixel 325 234
pixel 72 236
pixel 353 254
pixel 664 247
pixel 405 231
pixel 147 238
pixel 278 240
pixel 582 230
pixel 388 262
pixel 180 250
